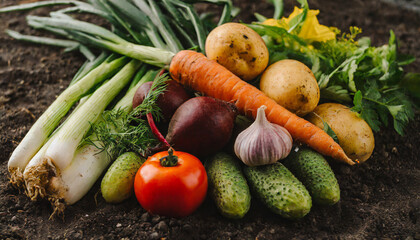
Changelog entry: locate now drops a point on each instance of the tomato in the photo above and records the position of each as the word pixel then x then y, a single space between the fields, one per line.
pixel 174 191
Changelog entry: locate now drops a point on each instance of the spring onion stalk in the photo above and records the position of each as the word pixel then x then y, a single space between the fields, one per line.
pixel 43 40
pixel 77 179
pixel 67 44
pixel 67 140
pixel 32 188
pixel 67 186
pixel 228 11
pixel 49 120
pixel 89 66
pixel 153 12
pixel 78 6
pixel 46 168
pixel 135 22
pixel 103 38
pixel 193 17
pixel 34 5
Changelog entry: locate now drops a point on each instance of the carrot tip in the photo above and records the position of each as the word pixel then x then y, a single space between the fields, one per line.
pixel 349 161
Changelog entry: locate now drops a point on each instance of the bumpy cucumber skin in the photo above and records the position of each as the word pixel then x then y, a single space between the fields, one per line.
pixel 313 170
pixel 279 190
pixel 118 182
pixel 227 186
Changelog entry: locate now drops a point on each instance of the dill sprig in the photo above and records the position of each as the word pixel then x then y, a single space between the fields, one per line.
pixel 121 131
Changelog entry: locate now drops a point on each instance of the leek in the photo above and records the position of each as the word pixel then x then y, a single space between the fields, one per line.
pixel 60 152
pixel 68 185
pixel 49 120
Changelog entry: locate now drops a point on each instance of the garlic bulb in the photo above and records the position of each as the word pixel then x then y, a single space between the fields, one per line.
pixel 263 142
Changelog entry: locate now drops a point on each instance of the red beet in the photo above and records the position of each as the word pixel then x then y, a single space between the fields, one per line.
pixel 168 101
pixel 201 126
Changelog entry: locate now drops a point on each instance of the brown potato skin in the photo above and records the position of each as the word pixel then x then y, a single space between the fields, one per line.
pixel 292 85
pixel 239 49
pixel 353 133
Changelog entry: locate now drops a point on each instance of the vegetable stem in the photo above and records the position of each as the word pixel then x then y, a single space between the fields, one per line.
pixel 49 120
pixel 66 141
pixel 156 131
pixel 170 160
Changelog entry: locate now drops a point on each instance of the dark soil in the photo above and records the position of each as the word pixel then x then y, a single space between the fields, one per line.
pixel 380 199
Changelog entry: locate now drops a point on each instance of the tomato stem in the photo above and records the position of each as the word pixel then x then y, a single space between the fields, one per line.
pixel 170 160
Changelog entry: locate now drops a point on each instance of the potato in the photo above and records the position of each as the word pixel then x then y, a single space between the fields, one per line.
pixel 353 133
pixel 292 85
pixel 239 49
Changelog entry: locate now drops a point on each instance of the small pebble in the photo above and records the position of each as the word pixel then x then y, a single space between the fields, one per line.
pixel 187 227
pixel 155 219
pixel 173 222
pixel 119 225
pixel 77 235
pixel 154 235
pixel 145 217
pixel 145 225
pixel 394 150
pixel 248 229
pixel 162 226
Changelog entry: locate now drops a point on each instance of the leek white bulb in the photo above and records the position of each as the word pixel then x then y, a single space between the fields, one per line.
pixel 263 142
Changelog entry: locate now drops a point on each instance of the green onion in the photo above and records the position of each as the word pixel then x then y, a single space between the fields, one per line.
pixel 60 158
pixel 66 186
pixel 103 38
pixel 66 141
pixel 49 120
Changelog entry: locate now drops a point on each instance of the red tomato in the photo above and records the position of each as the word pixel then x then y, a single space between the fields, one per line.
pixel 174 191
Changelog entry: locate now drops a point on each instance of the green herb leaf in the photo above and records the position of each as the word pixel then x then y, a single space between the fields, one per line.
pixel 357 101
pixel 330 132
pixel 120 131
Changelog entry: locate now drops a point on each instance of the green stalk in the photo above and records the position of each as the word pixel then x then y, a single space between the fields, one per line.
pixel 68 138
pixel 124 24
pixel 43 40
pixel 49 120
pixel 89 162
pixel 100 37
pixel 155 15
pixel 67 44
pixel 88 66
pixel 34 184
pixel 198 27
pixel 34 5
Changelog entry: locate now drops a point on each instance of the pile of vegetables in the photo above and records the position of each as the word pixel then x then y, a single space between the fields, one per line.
pixel 370 80
pixel 176 124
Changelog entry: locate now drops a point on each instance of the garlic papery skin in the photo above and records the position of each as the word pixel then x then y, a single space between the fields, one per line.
pixel 263 142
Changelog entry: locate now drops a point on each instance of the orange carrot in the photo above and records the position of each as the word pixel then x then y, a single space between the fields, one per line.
pixel 194 70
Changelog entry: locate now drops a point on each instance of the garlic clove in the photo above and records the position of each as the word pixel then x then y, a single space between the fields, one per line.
pixel 263 142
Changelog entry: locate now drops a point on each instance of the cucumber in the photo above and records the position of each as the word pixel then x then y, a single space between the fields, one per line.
pixel 279 190
pixel 118 182
pixel 227 186
pixel 313 170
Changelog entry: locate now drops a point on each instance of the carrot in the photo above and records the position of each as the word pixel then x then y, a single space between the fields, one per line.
pixel 194 70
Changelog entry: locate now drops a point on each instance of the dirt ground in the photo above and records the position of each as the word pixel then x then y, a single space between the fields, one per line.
pixel 379 199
